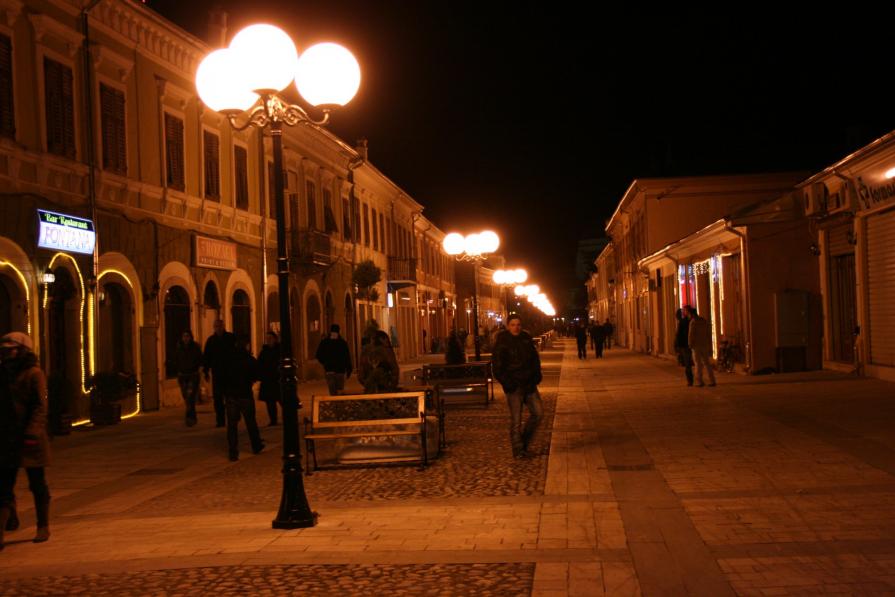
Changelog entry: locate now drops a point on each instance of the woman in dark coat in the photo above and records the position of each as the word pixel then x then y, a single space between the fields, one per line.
pixel 23 431
pixel 454 354
pixel 378 371
pixel 269 365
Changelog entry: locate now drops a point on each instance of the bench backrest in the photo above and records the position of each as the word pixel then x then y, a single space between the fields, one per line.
pixel 355 409
pixel 475 370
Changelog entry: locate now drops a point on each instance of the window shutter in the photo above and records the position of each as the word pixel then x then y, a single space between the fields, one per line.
pixel 59 106
pixel 312 205
pixel 346 219
pixel 113 129
pixel 7 114
pixel 242 177
pixel 174 151
pixel 212 166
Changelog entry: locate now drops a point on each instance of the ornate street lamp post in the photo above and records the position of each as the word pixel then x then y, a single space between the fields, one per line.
pixel 474 248
pixel 242 82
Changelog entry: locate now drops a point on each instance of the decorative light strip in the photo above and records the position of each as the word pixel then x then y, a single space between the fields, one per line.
pixel 133 293
pixel 721 288
pixel 713 306
pixel 27 292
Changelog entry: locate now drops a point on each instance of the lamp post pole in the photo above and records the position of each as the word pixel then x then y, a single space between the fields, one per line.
pixel 242 82
pixel 476 341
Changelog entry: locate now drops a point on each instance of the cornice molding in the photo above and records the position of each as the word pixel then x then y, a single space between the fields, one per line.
pixel 46 27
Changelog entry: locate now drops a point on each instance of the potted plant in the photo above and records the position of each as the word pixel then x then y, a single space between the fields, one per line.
pixel 107 390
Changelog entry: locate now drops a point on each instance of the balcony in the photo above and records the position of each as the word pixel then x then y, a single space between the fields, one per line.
pixel 312 248
pixel 402 269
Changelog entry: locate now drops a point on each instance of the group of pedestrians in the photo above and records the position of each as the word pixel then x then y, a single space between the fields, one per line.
pixel 693 343
pixel 227 361
pixel 600 335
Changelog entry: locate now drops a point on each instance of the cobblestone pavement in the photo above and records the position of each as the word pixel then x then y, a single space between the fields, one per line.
pixel 445 580
pixel 478 462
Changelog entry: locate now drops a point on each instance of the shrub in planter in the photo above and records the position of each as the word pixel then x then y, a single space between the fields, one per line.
pixel 107 390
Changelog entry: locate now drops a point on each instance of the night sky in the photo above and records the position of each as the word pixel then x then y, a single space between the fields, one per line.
pixel 533 118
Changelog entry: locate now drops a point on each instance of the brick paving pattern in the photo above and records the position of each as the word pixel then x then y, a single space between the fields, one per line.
pixel 439 580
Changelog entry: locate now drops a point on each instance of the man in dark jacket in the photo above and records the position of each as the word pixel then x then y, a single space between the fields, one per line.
pixel 217 357
pixel 269 368
pixel 241 376
pixel 581 339
pixel 608 330
pixel 187 360
pixel 335 357
pixel 682 344
pixel 596 338
pixel 517 367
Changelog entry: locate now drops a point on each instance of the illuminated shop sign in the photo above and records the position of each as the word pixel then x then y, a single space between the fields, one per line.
pixel 215 254
pixel 65 233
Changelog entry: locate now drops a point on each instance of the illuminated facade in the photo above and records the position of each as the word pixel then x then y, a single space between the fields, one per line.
pixel 179 203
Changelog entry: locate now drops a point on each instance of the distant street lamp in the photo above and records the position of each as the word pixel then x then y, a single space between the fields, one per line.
pixel 509 278
pixel 242 82
pixel 474 248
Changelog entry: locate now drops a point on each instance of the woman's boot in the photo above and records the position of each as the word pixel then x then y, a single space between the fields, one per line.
pixel 42 510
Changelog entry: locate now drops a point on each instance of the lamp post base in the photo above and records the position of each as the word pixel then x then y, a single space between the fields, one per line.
pixel 295 513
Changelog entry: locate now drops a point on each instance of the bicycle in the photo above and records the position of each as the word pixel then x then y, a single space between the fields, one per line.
pixel 728 356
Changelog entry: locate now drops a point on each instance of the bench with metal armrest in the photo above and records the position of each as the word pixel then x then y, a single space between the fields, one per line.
pixel 378 418
pixel 463 384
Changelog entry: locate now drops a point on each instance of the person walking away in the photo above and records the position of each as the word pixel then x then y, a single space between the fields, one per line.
pixel 699 337
pixel 242 375
pixel 581 338
pixel 608 330
pixel 23 432
pixel 597 339
pixel 454 354
pixel 682 344
pixel 218 349
pixel 378 371
pixel 517 367
pixel 333 354
pixel 269 370
pixel 187 361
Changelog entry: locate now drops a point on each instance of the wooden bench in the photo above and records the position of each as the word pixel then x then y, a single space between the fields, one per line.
pixel 464 384
pixel 359 416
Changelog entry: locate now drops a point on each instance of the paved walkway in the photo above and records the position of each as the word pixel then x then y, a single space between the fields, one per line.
pixel 763 485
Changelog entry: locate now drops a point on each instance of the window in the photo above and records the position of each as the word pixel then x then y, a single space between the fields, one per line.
pixel 312 205
pixel 382 246
pixel 375 231
pixel 60 108
pixel 174 151
pixel 329 216
pixel 389 236
pixel 346 219
pixel 7 115
pixel 111 102
pixel 241 169
pixel 212 165
pixel 366 224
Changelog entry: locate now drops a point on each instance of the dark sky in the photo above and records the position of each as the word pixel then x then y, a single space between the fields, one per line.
pixel 533 118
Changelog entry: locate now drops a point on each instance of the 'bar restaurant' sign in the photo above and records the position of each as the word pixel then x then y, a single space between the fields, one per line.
pixel 65 233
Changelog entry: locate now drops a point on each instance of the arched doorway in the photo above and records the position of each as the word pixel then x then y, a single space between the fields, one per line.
pixel 211 311
pixel 115 350
pixel 177 320
pixel 329 312
pixel 241 314
pixel 64 340
pixel 273 311
pixel 313 323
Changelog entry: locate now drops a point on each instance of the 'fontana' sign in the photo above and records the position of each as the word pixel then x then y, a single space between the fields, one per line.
pixel 213 253
pixel 65 233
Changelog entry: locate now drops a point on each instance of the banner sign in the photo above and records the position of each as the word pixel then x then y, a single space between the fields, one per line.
pixel 65 233
pixel 215 254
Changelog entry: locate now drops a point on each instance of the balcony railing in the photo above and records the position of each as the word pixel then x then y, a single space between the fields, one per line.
pixel 312 248
pixel 402 268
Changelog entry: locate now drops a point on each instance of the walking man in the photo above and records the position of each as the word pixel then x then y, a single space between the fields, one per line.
pixel 216 357
pixel 608 330
pixel 517 367
pixel 269 369
pixel 335 357
pixel 597 338
pixel 187 360
pixel 699 337
pixel 581 339
pixel 682 343
pixel 241 375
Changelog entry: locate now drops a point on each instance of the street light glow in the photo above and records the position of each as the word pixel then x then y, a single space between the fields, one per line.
pixel 218 88
pixel 266 58
pixel 453 243
pixel 327 74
